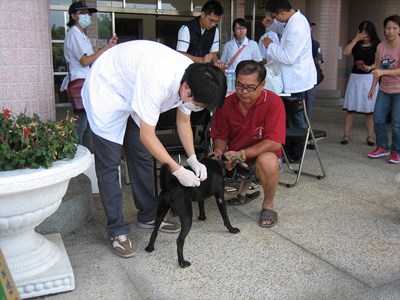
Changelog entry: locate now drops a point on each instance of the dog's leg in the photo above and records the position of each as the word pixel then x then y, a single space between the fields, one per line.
pixel 161 213
pixel 222 209
pixel 202 213
pixel 185 215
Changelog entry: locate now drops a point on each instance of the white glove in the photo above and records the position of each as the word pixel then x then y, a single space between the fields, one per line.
pixel 199 169
pixel 186 177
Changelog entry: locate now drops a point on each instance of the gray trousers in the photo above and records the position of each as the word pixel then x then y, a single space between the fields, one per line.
pixel 140 166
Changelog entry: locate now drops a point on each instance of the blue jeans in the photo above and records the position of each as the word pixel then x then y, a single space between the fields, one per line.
pixel 386 103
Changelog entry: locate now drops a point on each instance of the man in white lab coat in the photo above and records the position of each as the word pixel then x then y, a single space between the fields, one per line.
pixel 294 53
pixel 125 92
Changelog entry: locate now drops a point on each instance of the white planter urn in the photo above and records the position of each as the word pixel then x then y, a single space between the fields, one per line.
pixel 38 264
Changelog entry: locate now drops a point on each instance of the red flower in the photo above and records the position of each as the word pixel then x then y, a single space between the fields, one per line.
pixel 6 112
pixel 27 131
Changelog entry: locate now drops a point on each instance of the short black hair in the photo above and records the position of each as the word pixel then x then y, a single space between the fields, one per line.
pixel 207 84
pixel 240 21
pixel 248 67
pixel 393 18
pixel 277 6
pixel 214 7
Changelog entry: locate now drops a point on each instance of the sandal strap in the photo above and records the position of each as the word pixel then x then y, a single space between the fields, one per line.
pixel 269 214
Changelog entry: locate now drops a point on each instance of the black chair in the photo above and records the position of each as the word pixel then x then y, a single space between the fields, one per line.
pixel 308 137
pixel 166 132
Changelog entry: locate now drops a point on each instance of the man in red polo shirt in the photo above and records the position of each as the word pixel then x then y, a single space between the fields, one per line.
pixel 251 126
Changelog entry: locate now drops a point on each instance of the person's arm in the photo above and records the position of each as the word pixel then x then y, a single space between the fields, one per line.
pixel 199 59
pixel 88 60
pixel 153 145
pixel 185 132
pixel 219 147
pixel 255 150
pixel 349 47
pixel 375 80
pixel 150 140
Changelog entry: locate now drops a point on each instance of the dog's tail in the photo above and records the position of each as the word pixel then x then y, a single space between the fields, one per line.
pixel 166 178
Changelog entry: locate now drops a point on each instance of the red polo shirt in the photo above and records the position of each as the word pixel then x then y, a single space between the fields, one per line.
pixel 266 120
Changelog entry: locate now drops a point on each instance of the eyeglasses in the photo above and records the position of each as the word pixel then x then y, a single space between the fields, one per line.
pixel 273 16
pixel 240 28
pixel 242 87
pixel 212 21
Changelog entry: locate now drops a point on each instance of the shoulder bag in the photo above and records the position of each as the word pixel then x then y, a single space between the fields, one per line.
pixel 74 94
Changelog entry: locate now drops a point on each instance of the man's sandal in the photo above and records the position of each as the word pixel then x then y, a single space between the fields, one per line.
pixel 270 215
pixel 241 200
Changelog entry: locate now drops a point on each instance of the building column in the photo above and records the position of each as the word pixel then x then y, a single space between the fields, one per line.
pixel 26 64
pixel 327 14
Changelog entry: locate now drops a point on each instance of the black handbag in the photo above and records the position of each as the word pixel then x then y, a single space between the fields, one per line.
pixel 320 75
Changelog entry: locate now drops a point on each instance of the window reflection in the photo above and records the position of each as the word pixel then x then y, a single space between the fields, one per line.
pixel 104 26
pixel 58 25
pixel 59 64
pixel 104 3
pixel 149 4
pixel 60 97
pixel 179 5
pixel 61 2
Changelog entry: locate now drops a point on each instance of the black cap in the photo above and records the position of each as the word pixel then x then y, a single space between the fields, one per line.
pixel 80 5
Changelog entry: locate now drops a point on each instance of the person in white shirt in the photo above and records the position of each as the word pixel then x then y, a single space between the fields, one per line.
pixel 294 53
pixel 79 54
pixel 248 48
pixel 198 39
pixel 126 90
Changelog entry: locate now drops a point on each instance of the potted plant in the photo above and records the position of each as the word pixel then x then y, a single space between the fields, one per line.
pixel 37 160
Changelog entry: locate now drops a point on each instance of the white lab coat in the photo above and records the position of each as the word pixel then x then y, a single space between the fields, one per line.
pixel 264 51
pixel 295 55
pixel 251 52
pixel 138 78
pixel 76 44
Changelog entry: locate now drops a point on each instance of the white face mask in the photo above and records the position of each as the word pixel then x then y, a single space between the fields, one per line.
pixel 190 106
pixel 84 20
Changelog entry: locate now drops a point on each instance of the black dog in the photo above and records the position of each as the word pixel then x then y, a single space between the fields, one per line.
pixel 179 198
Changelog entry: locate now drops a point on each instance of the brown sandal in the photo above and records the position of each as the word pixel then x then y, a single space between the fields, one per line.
pixel 370 141
pixel 345 140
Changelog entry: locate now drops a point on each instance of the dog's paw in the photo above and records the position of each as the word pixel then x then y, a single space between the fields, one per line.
pixel 184 264
pixel 149 248
pixel 234 230
pixel 202 218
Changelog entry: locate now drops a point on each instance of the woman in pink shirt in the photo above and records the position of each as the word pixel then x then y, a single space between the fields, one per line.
pixel 387 70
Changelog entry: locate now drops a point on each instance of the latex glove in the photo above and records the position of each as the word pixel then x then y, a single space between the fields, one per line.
pixel 186 177
pixel 199 169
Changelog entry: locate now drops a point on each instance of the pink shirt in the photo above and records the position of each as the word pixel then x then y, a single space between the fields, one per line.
pixel 389 58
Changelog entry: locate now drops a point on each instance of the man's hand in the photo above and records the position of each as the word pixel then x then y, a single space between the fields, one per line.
pixel 267 41
pixel 207 58
pixel 186 177
pixel 199 169
pixel 220 64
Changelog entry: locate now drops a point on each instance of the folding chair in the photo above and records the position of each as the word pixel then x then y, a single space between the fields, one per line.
pixel 166 132
pixel 306 136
